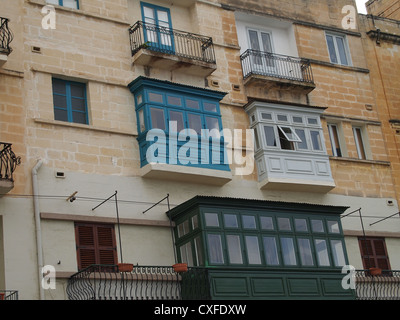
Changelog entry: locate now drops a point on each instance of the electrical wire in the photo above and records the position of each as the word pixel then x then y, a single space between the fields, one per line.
pixel 89 199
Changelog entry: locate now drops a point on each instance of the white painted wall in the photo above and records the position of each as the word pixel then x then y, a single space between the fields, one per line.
pixel 283 40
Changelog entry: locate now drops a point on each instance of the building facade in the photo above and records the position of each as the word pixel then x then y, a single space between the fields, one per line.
pixel 266 135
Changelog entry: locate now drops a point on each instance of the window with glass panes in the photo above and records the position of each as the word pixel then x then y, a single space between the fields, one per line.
pixel 69 100
pixel 74 4
pixel 254 238
pixel 182 113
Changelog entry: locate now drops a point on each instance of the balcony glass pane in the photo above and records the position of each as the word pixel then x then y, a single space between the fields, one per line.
pixel 249 222
pixel 322 253
pixel 267 223
pixel 195 122
pixel 333 227
pixel 317 226
pixel 177 118
pixel 234 249
pixel 301 225
pixel 302 135
pixel 316 140
pixel 270 138
pixel 305 252
pixel 211 219
pixel 284 224
pixel 230 221
pixel 253 250
pixel 271 251
pixel 288 253
pixel 157 118
pixel 338 253
pixel 215 248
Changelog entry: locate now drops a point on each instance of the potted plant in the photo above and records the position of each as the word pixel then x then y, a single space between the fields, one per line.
pixel 180 267
pixel 125 267
pixel 375 271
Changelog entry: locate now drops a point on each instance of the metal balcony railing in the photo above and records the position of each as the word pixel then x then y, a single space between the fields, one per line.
pixel 275 65
pixel 385 286
pixel 105 282
pixel 170 41
pixel 6 36
pixel 8 295
pixel 8 161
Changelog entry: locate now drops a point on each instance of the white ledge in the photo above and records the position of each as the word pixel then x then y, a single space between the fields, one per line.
pixel 185 174
pixel 300 185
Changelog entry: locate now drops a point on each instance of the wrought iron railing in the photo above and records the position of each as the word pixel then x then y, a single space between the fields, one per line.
pixel 8 161
pixel 8 295
pixel 275 65
pixel 385 286
pixel 6 36
pixel 105 282
pixel 171 41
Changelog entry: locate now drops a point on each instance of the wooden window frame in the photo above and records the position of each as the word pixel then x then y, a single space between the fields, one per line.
pixel 96 246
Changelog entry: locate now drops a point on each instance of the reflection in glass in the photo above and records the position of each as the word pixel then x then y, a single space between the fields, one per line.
pixel 271 251
pixel 215 248
pixel 253 250
pixel 289 256
pixel 234 249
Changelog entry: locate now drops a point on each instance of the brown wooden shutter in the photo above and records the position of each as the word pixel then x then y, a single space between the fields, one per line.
pixel 373 253
pixel 95 244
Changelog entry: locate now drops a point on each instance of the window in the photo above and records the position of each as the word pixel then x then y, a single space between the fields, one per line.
pixel 247 238
pixel 338 49
pixel 69 99
pixel 334 138
pixel 374 253
pixel 180 113
pixel 74 4
pixel 158 34
pixel 95 244
pixel 358 139
pixel 296 134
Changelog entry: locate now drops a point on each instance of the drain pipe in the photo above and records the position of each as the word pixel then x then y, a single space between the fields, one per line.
pixel 35 190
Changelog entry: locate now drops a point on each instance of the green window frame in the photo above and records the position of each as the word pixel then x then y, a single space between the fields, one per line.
pixel 256 238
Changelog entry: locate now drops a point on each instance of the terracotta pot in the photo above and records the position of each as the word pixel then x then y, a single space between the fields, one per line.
pixel 375 271
pixel 180 267
pixel 125 267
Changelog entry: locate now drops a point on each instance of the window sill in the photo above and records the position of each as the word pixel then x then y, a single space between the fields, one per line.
pixel 84 126
pixel 377 162
pixel 179 173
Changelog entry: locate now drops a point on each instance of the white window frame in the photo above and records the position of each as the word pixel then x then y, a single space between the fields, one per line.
pixel 346 48
pixel 361 143
pixel 293 137
pixel 332 139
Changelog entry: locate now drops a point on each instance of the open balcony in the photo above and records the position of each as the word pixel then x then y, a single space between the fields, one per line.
pixel 8 295
pixel 6 37
pixel 270 70
pixel 170 49
pixel 107 282
pixel 8 163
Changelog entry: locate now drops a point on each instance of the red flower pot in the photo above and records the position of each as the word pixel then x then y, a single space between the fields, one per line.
pixel 125 267
pixel 375 271
pixel 180 267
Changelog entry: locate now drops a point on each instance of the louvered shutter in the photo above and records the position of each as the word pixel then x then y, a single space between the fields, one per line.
pixel 95 244
pixel 374 254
